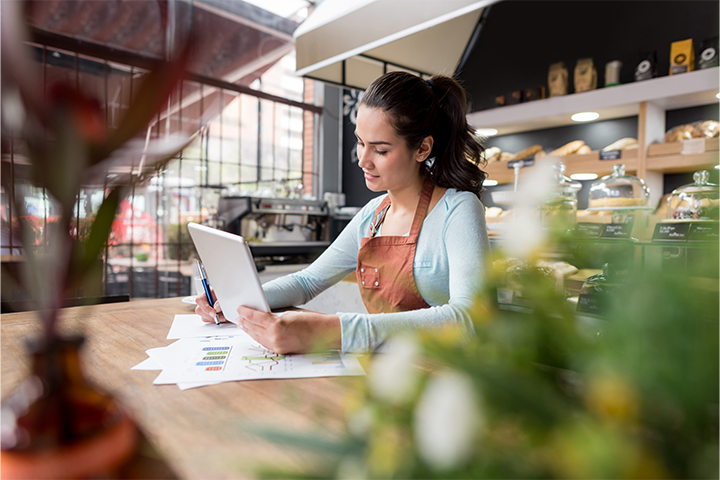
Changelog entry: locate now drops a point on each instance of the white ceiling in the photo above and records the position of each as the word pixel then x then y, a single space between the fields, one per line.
pixel 352 42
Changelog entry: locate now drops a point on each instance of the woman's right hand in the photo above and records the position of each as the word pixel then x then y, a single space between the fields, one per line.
pixel 206 312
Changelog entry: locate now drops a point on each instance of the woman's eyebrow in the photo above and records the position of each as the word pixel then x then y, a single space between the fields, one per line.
pixel 374 143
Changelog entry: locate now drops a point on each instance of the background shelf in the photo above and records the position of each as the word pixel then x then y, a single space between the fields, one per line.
pixel 669 93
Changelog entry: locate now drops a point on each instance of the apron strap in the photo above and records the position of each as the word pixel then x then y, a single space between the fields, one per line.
pixel 380 212
pixel 422 208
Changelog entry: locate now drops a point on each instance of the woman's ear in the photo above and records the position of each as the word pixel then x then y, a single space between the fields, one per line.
pixel 423 153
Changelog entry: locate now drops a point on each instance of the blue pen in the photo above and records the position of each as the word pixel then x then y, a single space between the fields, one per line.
pixel 206 286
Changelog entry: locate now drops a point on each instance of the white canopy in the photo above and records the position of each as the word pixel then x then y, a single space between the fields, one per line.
pixel 352 42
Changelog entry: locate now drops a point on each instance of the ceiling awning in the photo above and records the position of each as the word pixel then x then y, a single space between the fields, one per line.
pixel 352 42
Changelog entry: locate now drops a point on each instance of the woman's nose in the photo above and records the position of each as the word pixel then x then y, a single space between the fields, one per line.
pixel 363 161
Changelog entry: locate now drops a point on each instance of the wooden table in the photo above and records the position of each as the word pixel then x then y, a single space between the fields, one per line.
pixel 203 432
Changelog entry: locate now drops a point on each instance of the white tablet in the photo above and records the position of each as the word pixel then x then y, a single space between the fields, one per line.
pixel 230 269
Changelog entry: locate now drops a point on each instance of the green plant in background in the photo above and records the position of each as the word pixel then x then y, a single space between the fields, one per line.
pixel 180 246
pixel 543 392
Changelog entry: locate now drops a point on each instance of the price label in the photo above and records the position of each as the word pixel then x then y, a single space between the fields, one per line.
pixel 525 162
pixel 590 303
pixel 694 145
pixel 703 232
pixel 617 231
pixel 671 232
pixel 611 155
pixel 589 230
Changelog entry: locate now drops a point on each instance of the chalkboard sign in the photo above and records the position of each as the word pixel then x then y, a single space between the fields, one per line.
pixel 671 232
pixel 617 231
pixel 589 230
pixel 611 155
pixel 590 303
pixel 703 232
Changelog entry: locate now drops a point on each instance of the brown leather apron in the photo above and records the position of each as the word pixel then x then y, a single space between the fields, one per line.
pixel 385 263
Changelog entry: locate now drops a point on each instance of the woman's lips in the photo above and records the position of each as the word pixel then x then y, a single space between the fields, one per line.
pixel 370 177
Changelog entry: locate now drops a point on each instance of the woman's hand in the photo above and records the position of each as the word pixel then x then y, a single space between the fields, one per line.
pixel 206 312
pixel 291 331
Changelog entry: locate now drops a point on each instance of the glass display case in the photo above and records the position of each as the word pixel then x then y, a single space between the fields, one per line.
pixel 697 201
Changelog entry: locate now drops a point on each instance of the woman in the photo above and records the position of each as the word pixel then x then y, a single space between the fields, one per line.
pixel 419 252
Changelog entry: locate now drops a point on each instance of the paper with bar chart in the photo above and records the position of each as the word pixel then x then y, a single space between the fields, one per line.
pixel 207 354
pixel 239 357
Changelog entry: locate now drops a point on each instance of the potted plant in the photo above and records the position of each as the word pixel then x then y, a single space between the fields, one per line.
pixel 56 424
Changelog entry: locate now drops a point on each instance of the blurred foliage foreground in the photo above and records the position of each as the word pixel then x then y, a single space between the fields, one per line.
pixel 544 393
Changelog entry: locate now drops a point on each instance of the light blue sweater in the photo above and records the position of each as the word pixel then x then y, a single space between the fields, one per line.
pixel 450 264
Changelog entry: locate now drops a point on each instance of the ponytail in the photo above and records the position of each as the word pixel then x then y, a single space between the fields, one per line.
pixel 419 108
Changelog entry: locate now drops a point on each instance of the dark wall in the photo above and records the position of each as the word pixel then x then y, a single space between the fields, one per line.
pixel 520 40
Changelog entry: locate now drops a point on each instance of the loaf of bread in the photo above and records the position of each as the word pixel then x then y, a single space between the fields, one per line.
pixel 623 144
pixel 583 150
pixel 540 154
pixel 616 202
pixel 492 154
pixel 505 156
pixel 527 152
pixel 567 149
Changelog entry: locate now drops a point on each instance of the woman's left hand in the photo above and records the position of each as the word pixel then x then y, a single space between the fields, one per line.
pixel 291 331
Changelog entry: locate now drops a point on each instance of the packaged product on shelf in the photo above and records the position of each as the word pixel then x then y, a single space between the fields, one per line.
pixel 585 77
pixel 612 73
pixel 514 98
pixel 558 79
pixel 626 143
pixel 682 57
pixel 567 149
pixel 535 93
pixel 500 100
pixel 708 129
pixel 646 67
pixel 708 57
pixel 680 133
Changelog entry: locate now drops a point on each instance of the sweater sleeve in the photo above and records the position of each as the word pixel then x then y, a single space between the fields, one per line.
pixel 463 236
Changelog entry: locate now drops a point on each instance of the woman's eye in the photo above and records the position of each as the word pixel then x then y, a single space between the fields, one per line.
pixel 380 152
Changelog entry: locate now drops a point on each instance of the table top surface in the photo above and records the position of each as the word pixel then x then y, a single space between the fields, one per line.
pixel 207 432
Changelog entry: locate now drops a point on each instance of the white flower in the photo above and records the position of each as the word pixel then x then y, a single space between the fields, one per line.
pixel 447 420
pixel 525 234
pixel 393 375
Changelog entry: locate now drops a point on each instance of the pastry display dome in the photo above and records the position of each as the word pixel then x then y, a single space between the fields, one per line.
pixel 696 201
pixel 618 190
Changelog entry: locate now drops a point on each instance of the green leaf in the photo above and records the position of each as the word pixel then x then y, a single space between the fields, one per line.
pixel 100 229
pixel 85 254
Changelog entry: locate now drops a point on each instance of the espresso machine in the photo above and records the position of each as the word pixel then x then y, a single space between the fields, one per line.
pixel 278 230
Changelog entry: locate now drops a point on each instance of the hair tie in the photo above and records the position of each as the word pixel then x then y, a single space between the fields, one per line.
pixel 431 83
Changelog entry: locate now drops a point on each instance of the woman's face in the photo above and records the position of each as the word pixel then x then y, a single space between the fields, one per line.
pixel 386 160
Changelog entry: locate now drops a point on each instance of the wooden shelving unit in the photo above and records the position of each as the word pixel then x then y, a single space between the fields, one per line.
pixel 589 162
pixel 648 100
pixel 682 163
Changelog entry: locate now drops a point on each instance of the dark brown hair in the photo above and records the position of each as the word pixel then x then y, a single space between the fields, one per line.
pixel 418 108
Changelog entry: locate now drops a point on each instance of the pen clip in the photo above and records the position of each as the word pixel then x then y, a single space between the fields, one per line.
pixel 201 269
